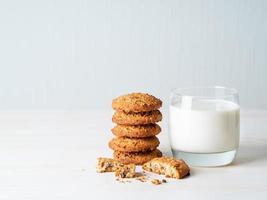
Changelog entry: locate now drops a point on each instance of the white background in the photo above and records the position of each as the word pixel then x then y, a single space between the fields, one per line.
pixel 79 54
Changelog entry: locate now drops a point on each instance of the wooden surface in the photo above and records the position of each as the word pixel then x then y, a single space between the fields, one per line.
pixel 52 155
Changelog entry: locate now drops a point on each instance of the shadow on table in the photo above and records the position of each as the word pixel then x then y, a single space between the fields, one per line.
pixel 251 151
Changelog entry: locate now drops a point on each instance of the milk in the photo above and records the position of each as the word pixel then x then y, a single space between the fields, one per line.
pixel 204 126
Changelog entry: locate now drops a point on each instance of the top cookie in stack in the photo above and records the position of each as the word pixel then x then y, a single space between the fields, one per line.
pixel 136 115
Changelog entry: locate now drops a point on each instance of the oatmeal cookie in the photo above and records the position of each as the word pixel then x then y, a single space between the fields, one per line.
pixel 126 171
pixel 136 102
pixel 136 131
pixel 137 118
pixel 137 158
pixel 170 167
pixel 107 165
pixel 125 144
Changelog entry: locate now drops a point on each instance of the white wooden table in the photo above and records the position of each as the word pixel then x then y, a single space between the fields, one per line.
pixel 52 156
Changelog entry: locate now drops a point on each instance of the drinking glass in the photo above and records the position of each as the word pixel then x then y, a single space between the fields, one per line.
pixel 204 125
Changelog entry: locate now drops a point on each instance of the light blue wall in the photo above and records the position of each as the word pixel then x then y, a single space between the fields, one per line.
pixel 69 54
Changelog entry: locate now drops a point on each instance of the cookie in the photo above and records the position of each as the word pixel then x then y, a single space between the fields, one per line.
pixel 170 167
pixel 136 131
pixel 137 118
pixel 136 102
pixel 126 171
pixel 125 144
pixel 137 158
pixel 107 165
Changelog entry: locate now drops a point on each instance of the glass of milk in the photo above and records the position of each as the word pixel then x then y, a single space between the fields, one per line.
pixel 204 125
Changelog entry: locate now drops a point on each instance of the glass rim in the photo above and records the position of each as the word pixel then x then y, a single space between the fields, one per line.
pixel 230 91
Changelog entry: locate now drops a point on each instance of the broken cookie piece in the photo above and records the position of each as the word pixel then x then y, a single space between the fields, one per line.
pixel 125 171
pixel 107 165
pixel 170 167
pixel 111 165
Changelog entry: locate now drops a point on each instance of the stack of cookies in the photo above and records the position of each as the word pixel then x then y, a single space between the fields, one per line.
pixel 136 115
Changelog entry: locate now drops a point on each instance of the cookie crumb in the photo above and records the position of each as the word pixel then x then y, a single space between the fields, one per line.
pixel 120 180
pixel 164 181
pixel 156 182
pixel 142 178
